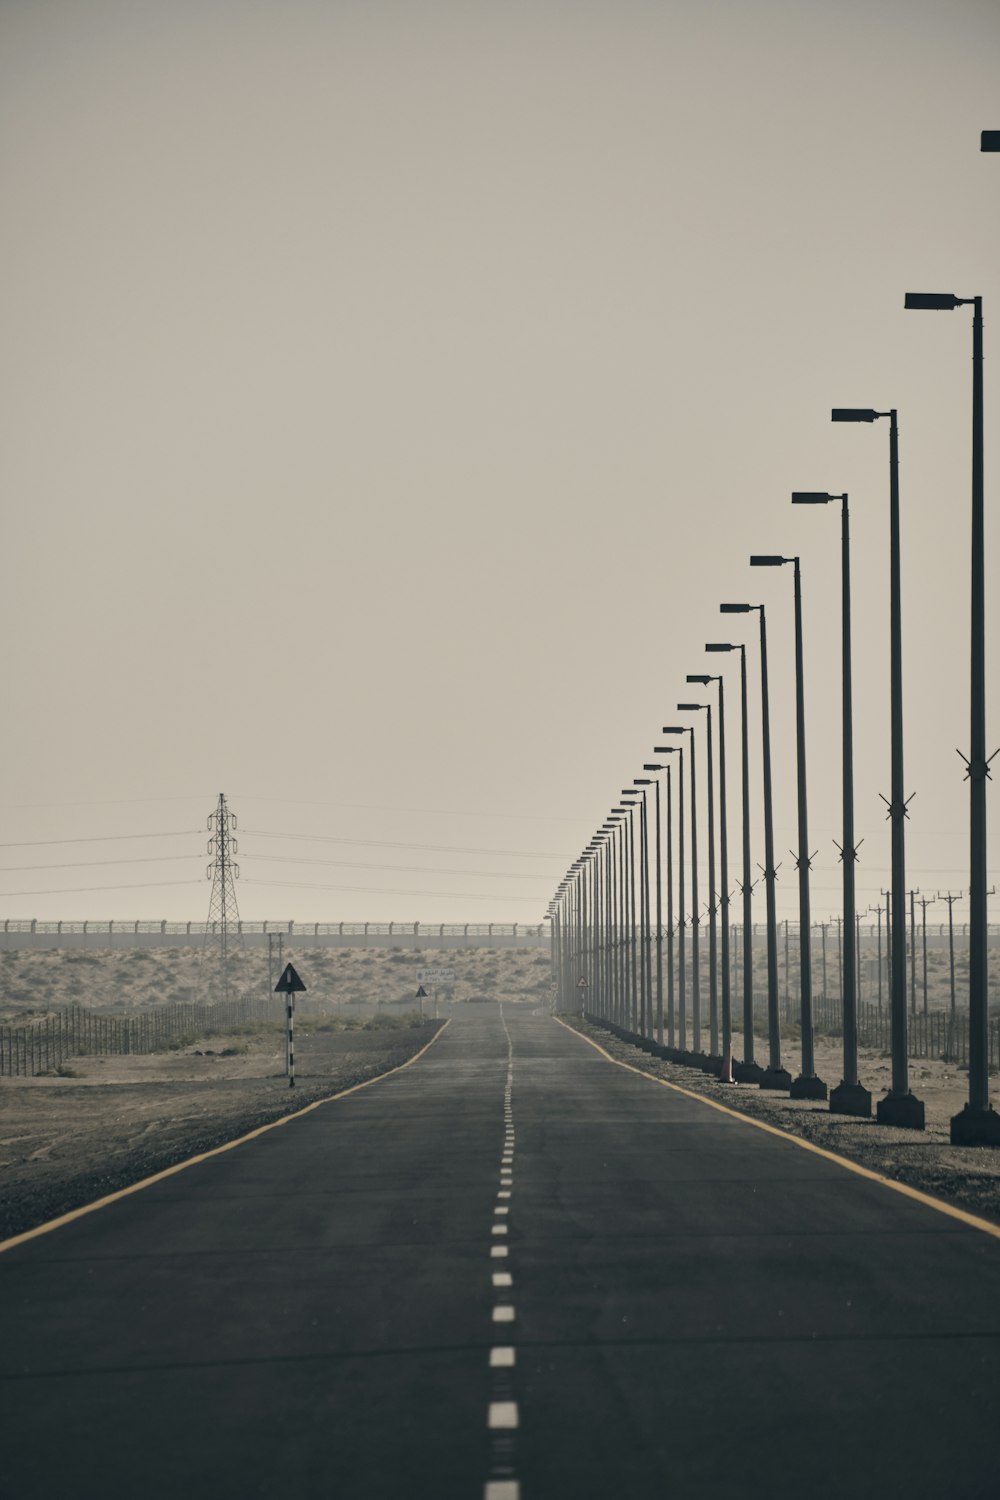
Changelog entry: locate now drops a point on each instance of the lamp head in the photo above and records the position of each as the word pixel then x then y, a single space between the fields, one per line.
pixel 736 609
pixel 931 301
pixel 813 497
pixel 667 749
pixel 721 646
pixel 990 140
pixel 676 729
pixel 655 766
pixel 688 707
pixel 853 414
pixel 699 677
pixel 760 561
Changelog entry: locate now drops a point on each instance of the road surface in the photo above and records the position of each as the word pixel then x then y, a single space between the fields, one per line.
pixel 512 1270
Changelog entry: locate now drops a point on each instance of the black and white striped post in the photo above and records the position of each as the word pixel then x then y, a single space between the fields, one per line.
pixel 289 985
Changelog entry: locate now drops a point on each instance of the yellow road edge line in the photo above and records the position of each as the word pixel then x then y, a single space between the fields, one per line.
pixel 972 1220
pixel 179 1166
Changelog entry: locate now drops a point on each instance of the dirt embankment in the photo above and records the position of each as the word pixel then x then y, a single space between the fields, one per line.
pixel 65 1142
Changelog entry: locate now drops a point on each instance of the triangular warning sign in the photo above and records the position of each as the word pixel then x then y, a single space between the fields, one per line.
pixel 289 983
pixel 421 993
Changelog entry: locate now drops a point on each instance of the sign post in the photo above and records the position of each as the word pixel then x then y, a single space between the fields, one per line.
pixel 582 985
pixel 289 985
pixel 433 977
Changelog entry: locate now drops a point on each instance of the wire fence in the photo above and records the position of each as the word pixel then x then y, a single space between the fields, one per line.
pixel 33 933
pixel 935 1033
pixel 44 1046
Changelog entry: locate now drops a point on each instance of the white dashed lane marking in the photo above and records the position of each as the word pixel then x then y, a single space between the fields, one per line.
pixel 503 1414
pixel 503 1417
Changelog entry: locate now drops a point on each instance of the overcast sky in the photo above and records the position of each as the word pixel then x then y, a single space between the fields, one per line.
pixel 392 391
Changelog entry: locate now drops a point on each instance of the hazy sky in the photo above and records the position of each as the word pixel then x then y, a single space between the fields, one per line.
pixel 392 391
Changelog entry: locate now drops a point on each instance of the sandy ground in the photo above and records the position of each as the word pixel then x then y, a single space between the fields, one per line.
pixel 66 1141
pixel 345 981
pixel 966 1176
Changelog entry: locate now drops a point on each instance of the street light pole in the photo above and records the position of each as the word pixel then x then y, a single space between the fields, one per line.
pixel 979 1123
pixel 748 1071
pixel 726 1071
pixel 774 1076
pixel 695 917
pixel 899 1107
pixel 807 1085
pixel 645 969
pixel 655 766
pixel 850 1097
pixel 671 1019
pixel 713 1062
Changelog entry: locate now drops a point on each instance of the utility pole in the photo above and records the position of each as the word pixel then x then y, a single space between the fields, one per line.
pixel 951 943
pixel 925 902
pixel 913 951
pixel 223 872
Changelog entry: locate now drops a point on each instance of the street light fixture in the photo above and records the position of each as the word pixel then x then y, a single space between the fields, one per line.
pixel 726 1061
pixel 645 956
pixel 899 1107
pixel 681 910
pixel 655 766
pixel 774 1076
pixel 807 1085
pixel 630 863
pixel 850 1097
pixel 748 1071
pixel 978 1124
pixel 695 916
pixel 713 1063
pixel 671 1018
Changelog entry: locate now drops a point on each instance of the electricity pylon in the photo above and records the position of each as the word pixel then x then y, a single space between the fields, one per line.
pixel 223 912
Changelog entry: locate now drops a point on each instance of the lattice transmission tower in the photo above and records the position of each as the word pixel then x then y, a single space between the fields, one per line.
pixel 223 912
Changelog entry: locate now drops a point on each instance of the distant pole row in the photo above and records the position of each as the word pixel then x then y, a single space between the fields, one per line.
pixel 606 958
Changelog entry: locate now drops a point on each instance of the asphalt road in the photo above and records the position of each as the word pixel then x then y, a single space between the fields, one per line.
pixel 512 1271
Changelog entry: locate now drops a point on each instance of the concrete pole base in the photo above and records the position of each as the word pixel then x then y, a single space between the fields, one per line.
pixel 851 1099
pixel 712 1064
pixel 808 1088
pixel 975 1127
pixel 904 1111
pixel 747 1072
pixel 778 1079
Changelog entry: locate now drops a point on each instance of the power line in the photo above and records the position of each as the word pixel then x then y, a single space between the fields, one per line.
pixel 77 890
pixel 347 864
pixel 385 891
pixel 104 838
pixel 89 864
pixel 318 838
pixel 429 812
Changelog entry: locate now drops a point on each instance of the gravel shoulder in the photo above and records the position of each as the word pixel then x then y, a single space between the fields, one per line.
pixel 967 1177
pixel 65 1142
